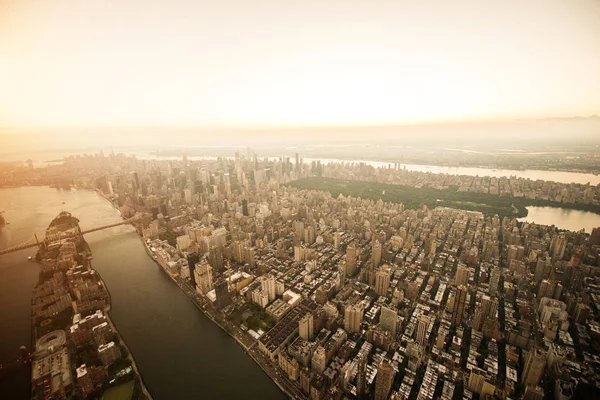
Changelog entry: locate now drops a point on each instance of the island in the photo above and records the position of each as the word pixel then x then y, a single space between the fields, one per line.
pixel 77 351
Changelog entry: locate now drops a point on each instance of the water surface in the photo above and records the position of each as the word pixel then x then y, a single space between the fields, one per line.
pixel 180 353
pixel 563 218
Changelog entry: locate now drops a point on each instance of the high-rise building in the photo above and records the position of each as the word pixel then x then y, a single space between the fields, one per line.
pixel 306 327
pixel 541 267
pixel 352 317
pixel 494 280
pixel 215 257
pixel 482 382
pixel 534 393
pixel 546 289
pixel 581 313
pixel 204 277
pixel 382 280
pixel 319 360
pixel 192 259
pixel 595 236
pixel 222 294
pixel 384 380
pixel 388 320
pixel 535 362
pixel 422 330
pixel 459 305
pixel 462 275
pixel 109 353
pixel 268 285
pixel 361 377
pixel 351 260
pixel 376 254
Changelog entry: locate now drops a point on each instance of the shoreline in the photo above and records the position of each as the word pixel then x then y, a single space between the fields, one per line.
pixel 247 348
pixel 122 342
pixel 106 310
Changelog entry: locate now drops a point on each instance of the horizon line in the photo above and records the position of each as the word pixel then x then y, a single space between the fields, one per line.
pixel 448 122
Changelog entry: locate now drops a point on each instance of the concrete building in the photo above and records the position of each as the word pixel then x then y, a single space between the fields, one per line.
pixel 482 382
pixel 382 280
pixel 384 380
pixel 204 277
pixel 353 317
pixel 319 360
pixel 494 280
pixel 459 305
pixel 462 276
pixel 351 260
pixel 535 363
pixel 109 353
pixel 376 254
pixel 222 294
pixel 422 330
pixel 388 320
pixel 307 327
pixel 268 285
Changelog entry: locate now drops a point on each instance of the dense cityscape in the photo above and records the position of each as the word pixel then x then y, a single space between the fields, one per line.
pixel 340 296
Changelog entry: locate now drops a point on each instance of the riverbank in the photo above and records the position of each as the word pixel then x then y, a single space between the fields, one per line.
pixel 177 351
pixel 250 347
pixel 205 307
pixel 69 302
pixel 138 380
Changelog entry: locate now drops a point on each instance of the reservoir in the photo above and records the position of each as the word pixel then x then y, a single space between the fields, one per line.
pixel 180 353
pixel 572 220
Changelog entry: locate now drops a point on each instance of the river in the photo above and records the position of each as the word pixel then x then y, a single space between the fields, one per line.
pixel 553 176
pixel 43 159
pixel 180 353
pixel 563 218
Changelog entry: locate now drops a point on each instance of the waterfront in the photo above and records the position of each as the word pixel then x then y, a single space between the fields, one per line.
pixel 44 159
pixel 553 176
pixel 177 349
pixel 562 218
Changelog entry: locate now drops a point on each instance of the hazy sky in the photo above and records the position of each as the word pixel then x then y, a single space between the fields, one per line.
pixel 310 62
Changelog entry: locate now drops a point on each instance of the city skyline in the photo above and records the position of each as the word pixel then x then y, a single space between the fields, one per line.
pixel 269 65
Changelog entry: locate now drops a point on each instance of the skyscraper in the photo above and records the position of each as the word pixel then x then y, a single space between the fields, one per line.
pixel 422 330
pixel 361 377
pixel 192 259
pixel 306 327
pixel 382 280
pixel 376 254
pixel 459 305
pixel 388 319
pixel 351 260
pixel 222 294
pixel 384 380
pixel 535 362
pixel 353 317
pixel 494 281
pixel 204 278
pixel 462 275
pixel 268 285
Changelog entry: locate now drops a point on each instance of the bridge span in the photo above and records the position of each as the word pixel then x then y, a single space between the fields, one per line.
pixel 34 242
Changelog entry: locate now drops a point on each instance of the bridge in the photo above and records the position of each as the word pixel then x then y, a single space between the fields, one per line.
pixel 34 242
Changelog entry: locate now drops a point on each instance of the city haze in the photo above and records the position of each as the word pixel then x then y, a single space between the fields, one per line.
pixel 269 64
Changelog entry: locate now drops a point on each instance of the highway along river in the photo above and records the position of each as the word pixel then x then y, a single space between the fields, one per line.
pixel 181 354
